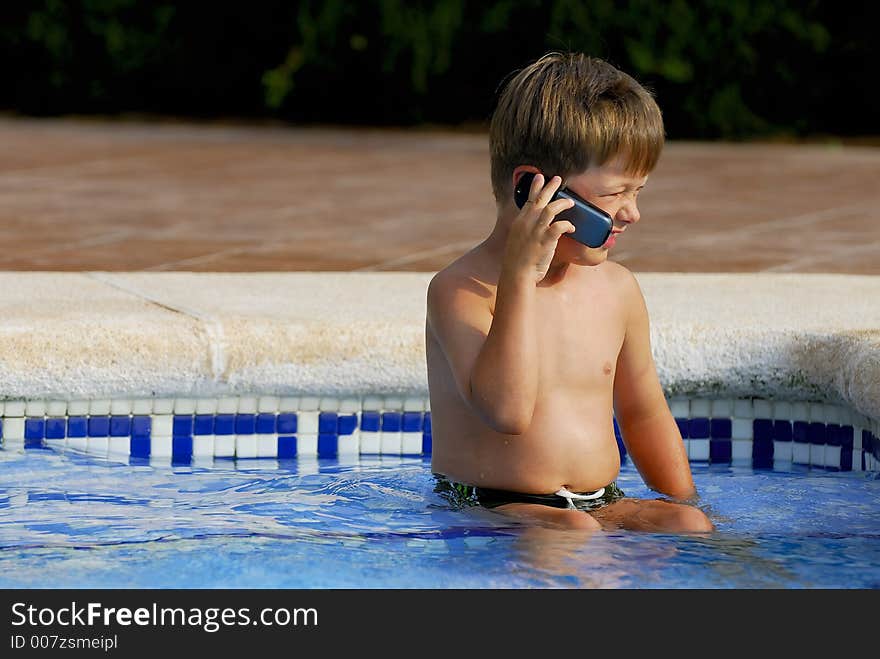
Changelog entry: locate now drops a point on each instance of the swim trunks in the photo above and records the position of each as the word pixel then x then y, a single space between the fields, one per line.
pixel 462 495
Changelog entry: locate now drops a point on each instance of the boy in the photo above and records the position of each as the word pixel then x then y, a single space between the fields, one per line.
pixel 534 339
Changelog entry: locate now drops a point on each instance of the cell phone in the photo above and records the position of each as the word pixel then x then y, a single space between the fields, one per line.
pixel 592 225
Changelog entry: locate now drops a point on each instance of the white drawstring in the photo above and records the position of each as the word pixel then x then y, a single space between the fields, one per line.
pixel 563 492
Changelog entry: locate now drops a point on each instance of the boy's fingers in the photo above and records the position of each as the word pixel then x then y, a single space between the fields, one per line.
pixel 553 209
pixel 537 184
pixel 546 194
pixel 561 227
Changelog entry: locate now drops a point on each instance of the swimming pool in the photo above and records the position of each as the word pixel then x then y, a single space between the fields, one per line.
pixel 70 519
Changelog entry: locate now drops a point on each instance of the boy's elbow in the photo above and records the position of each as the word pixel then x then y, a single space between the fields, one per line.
pixel 510 421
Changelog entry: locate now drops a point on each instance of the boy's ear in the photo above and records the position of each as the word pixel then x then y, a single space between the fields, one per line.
pixel 519 170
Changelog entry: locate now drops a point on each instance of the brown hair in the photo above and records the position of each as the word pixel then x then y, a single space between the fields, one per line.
pixel 567 112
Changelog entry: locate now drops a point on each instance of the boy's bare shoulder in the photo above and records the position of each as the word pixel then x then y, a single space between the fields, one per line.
pixel 468 277
pixel 622 282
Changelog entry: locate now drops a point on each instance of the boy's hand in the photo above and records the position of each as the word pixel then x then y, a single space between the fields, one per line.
pixel 533 234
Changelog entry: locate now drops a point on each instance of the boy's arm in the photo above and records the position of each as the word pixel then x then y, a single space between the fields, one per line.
pixel 493 360
pixel 649 431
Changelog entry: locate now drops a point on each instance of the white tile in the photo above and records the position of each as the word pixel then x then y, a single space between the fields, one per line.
pixel 414 404
pixel 393 403
pixel 245 446
pixel 99 407
pixel 184 405
pixel 857 438
pixel 329 404
pixel 350 405
pixel 203 446
pixel 160 446
pixel 763 408
pixel 800 411
pixel 268 404
pixel 77 443
pixel 227 405
pixel 307 422
pixel 741 450
pixel 160 461
pixel 224 446
pixel 817 412
pixel 742 429
pixel 800 453
pixel 742 407
pixel 817 455
pixel 163 406
pixel 202 461
pixel 267 445
pixel 722 407
pixel 142 406
pixel 427 405
pixel 206 406
pixel 832 414
pixel 782 451
pixel 390 443
pixel 698 449
pixel 309 403
pixel 120 445
pixel 35 408
pixel 288 404
pixel 349 444
pixel 832 456
pixel 307 464
pixel 680 408
pixel 306 445
pixel 2 407
pixel 120 406
pixel 247 405
pixel 98 446
pixel 14 408
pixel 13 428
pixel 369 442
pixel 782 409
pixel 162 425
pixel 857 460
pixel 412 443
pixel 56 408
pixel 373 403
pixel 700 407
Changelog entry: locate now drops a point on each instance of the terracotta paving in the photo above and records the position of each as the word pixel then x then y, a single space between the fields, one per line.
pixel 82 194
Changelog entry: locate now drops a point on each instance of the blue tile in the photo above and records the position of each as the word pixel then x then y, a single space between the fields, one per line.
pixel 682 424
pixel 140 446
pixel 1 427
pixel 120 426
pixel 762 429
pixel 286 447
pixel 286 424
pixel 846 458
pixel 799 431
pixel 698 428
pixel 141 425
pixel 370 421
pixel 816 433
pixel 412 422
pixel 392 421
pixel 762 463
pixel 182 425
pixel 55 428
pixel 782 431
pixel 347 424
pixel 266 423
pixel 426 443
pixel 245 424
pixel 832 434
pixel 77 426
pixel 846 436
pixel 720 450
pixel 762 449
pixel 721 429
pixel 203 424
pixel 328 423
pixel 99 426
pixel 621 448
pixel 427 423
pixel 34 428
pixel 224 424
pixel 616 427
pixel 181 448
pixel 328 445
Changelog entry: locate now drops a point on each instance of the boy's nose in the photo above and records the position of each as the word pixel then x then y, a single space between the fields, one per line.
pixel 628 213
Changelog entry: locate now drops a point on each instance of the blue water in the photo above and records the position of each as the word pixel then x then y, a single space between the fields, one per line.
pixel 69 520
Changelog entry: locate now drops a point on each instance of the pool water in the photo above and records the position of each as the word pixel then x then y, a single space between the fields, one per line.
pixel 69 520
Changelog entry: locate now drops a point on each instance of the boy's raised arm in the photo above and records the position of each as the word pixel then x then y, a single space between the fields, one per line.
pixel 647 426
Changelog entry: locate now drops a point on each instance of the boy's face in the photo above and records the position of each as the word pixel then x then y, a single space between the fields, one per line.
pixel 613 190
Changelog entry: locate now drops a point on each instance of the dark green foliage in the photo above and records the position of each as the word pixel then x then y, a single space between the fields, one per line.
pixel 728 69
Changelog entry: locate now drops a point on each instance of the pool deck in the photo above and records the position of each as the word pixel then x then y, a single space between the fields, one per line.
pixel 83 194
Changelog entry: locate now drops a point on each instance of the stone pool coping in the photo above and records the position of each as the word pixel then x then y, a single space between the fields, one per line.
pixel 87 335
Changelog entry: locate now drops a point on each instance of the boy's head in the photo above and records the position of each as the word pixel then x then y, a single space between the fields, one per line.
pixel 566 113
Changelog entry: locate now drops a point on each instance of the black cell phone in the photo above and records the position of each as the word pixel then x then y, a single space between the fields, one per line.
pixel 592 225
